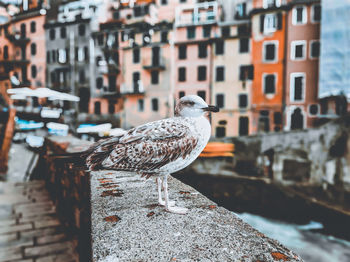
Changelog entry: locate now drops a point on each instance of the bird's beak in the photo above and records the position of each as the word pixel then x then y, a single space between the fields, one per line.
pixel 211 109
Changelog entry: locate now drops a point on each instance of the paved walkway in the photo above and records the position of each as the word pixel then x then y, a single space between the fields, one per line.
pixel 29 227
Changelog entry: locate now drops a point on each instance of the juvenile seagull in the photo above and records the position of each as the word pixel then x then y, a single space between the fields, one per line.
pixel 158 148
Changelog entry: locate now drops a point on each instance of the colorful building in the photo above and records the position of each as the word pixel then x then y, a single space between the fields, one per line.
pixel 302 64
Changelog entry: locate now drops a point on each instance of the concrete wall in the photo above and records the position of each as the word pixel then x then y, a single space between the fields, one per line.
pixel 128 224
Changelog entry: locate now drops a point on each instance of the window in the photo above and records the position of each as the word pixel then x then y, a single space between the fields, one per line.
pixel 155 104
pixel 299 15
pixel 111 106
pixel 220 74
pixel 136 82
pixel 220 101
pixel 242 100
pixel 271 3
pixel 264 121
pixel 99 82
pixel 220 131
pixel 62 56
pixel 183 1
pixel 112 83
pixel 202 73
pixel 241 10
pixel 79 54
pixel 140 105
pixel 23 30
pixel 100 39
pixel 244 45
pixel 201 94
pixel 53 52
pixel 181 94
pixel 243 128
pixel 202 50
pixel 313 109
pixel 6 52
pixel 164 2
pixel 269 83
pixel 52 34
pixel 316 13
pixel 63 32
pixel 206 31
pixel 155 77
pixel 81 29
pixel 33 27
pixel 81 76
pixel 182 52
pixel 33 49
pixel 298 50
pixel 182 74
pixel 164 37
pixel 314 49
pixel 297 87
pixel 53 77
pixel 48 58
pixel 270 23
pixel 225 31
pixel 270 51
pixel 219 47
pixel 97 108
pixel 86 53
pixel 246 72
pixel 33 71
pixel 136 55
pixel 191 32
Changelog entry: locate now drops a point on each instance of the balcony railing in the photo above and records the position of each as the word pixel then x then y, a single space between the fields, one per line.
pixel 134 89
pixel 111 91
pixel 17 39
pixel 152 63
pixel 14 60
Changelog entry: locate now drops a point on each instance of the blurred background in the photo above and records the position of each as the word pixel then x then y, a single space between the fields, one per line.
pixel 279 70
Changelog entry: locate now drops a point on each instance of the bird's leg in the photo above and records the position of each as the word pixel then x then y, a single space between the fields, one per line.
pixel 160 199
pixel 168 207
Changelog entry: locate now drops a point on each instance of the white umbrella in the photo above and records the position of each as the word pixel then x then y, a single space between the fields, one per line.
pixel 43 92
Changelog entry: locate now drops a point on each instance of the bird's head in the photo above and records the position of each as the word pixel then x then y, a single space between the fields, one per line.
pixel 193 106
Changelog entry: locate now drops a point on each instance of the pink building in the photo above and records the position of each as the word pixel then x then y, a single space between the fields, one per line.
pixel 194 26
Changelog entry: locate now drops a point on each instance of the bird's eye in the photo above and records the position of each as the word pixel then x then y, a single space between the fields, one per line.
pixel 191 103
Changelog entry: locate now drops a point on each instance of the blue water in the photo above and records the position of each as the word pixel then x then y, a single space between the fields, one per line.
pixel 310 245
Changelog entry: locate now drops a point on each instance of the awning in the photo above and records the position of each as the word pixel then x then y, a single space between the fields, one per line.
pixel 41 93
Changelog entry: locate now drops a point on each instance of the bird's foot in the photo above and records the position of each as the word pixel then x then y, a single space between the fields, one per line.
pixel 177 210
pixel 162 203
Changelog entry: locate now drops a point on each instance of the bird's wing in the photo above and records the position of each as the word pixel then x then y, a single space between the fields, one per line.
pixel 151 146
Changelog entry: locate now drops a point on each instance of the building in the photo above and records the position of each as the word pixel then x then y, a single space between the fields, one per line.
pixel 23 49
pixel 302 64
pixel 195 25
pixel 232 71
pixel 268 56
pixel 70 56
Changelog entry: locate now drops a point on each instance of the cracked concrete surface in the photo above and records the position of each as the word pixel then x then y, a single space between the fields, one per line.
pixel 128 225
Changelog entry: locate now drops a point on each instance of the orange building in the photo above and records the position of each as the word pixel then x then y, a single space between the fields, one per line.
pixel 268 56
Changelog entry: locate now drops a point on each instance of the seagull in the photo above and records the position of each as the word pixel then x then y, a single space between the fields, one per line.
pixel 158 148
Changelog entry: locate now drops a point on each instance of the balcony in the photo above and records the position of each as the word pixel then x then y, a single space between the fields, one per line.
pixel 110 92
pixel 24 83
pixel 134 89
pixel 153 63
pixel 17 39
pixel 108 69
pixel 14 60
pixel 198 14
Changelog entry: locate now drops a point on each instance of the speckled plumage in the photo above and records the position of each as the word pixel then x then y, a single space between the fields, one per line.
pixel 160 147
